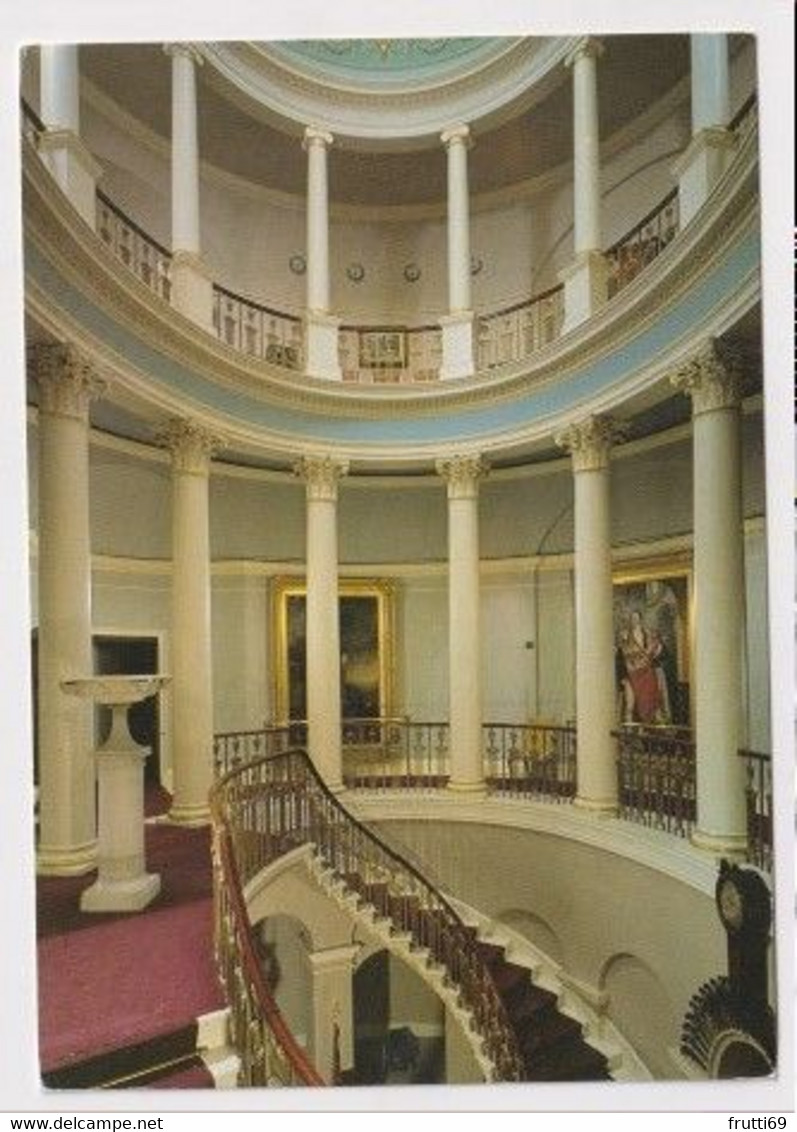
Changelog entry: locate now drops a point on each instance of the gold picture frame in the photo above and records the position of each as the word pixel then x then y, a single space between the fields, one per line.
pixel 652 623
pixel 367 611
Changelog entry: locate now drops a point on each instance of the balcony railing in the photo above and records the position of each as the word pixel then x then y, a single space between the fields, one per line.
pixel 259 331
pixel 391 355
pixel 530 760
pixel 639 247
pixel 146 258
pixel 745 119
pixel 758 795
pixel 656 783
pixel 511 334
pixel 31 123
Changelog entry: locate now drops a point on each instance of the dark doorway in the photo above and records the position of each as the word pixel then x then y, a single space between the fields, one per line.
pixel 129 656
pixel 371 991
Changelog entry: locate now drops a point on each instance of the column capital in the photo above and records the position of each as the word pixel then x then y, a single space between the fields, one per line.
pixel 184 50
pixel 462 473
pixel 315 136
pixel 589 442
pixel 191 444
pixel 66 379
pixel 457 135
pixel 321 475
pixel 710 377
pixel 587 47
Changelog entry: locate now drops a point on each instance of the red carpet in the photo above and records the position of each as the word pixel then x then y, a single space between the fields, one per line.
pixel 121 982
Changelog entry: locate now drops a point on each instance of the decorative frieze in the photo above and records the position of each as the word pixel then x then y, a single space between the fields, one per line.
pixel 589 442
pixel 321 475
pixel 462 473
pixel 710 378
pixel 66 379
pixel 191 444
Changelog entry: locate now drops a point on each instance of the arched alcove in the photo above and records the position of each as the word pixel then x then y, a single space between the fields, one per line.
pixel 641 1009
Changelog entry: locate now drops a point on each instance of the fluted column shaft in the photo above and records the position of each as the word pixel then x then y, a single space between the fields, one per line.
pixel 711 105
pixel 462 475
pixel 192 688
pixel 719 598
pixel 66 766
pixel 589 441
pixel 586 147
pixel 457 142
pixel 60 86
pixel 185 150
pixel 316 143
pixel 321 476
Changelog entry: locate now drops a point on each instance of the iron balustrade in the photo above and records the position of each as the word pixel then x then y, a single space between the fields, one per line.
pixel 511 334
pixel 656 781
pixel 263 332
pixel 263 809
pixel 639 247
pixel 269 1055
pixel 758 798
pixel 145 257
pixel 530 760
pixel 390 355
pixel 395 754
pixel 232 749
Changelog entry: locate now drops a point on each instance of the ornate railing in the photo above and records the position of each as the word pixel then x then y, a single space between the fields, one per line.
pixel 515 332
pixel 232 749
pixel 31 124
pixel 146 258
pixel 261 331
pixel 758 795
pixel 390 355
pixel 530 760
pixel 269 1054
pixel 272 805
pixel 656 783
pixel 639 247
pixel 390 754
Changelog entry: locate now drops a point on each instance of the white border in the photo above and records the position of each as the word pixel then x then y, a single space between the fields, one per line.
pixel 146 20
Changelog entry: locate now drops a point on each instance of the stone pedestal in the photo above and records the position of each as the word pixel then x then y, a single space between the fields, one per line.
pixel 75 170
pixel 700 167
pixel 585 283
pixel 122 884
pixel 322 357
pixel 457 345
pixel 192 289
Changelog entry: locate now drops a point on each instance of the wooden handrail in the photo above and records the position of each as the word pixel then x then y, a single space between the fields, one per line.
pixel 538 298
pixel 647 219
pixel 131 224
pixel 228 294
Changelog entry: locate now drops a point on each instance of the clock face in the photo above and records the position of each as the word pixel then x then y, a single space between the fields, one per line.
pixel 730 902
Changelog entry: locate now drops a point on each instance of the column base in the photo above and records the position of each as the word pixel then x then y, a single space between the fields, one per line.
pixel 601 807
pixel 457 358
pixel 733 845
pixel 192 289
pixel 585 283
pixel 471 789
pixel 75 170
pixel 700 167
pixel 73 862
pixel 322 355
pixel 121 895
pixel 192 816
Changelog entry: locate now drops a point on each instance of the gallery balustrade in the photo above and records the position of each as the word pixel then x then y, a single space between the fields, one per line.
pixel 639 247
pixel 758 794
pixel 260 331
pixel 392 355
pixel 656 781
pixel 514 333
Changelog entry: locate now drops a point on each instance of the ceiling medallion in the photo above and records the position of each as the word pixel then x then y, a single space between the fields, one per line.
pixel 297 264
pixel 412 273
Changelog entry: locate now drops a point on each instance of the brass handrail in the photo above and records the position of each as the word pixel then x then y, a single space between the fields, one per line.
pixel 279 802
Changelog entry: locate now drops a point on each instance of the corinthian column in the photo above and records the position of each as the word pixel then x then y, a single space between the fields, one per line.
pixel 462 475
pixel 66 385
pixel 321 328
pixel 321 476
pixel 719 598
pixel 707 156
pixel 585 278
pixel 192 447
pixel 589 442
pixel 192 286
pixel 61 148
pixel 458 325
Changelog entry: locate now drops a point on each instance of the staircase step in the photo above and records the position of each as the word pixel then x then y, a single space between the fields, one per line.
pixel 116 1065
pixel 573 1061
pixel 551 1029
pixel 190 1073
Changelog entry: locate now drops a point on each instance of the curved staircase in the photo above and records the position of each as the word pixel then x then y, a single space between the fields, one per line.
pixel 266 808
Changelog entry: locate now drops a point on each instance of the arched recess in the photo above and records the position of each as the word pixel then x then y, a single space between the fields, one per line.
pixel 536 930
pixel 640 1007
pixel 282 943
